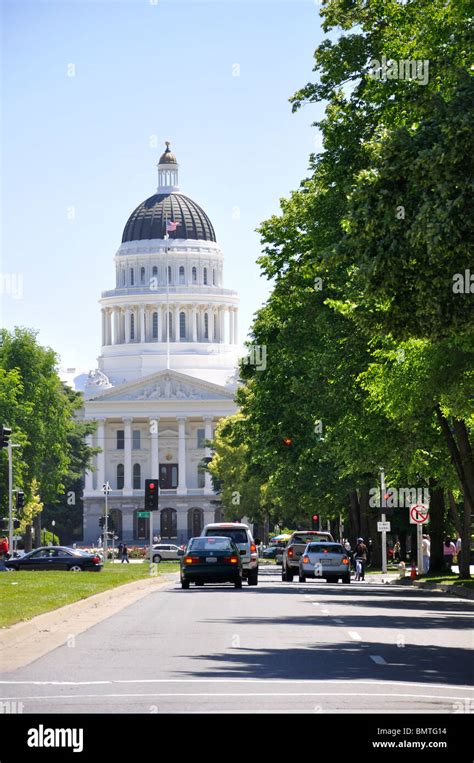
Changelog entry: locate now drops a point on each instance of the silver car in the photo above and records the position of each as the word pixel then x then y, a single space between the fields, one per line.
pixel 325 560
pixel 166 551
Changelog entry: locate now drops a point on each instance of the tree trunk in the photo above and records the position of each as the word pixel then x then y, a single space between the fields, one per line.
pixel 436 526
pixel 27 539
pixel 453 509
pixel 365 532
pixel 402 537
pixel 37 530
pixel 376 537
pixel 354 518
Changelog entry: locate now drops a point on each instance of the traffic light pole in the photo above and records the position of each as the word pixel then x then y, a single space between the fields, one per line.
pixel 106 523
pixel 10 497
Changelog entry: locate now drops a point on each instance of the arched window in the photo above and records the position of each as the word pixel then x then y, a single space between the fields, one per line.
pixel 169 273
pixel 132 277
pixel 142 275
pixel 136 477
pixel 181 274
pixel 120 476
pixel 206 326
pixel 182 325
pixel 213 276
pixel 194 275
pixel 168 524
pixel 154 327
pixel 154 272
pixel 132 327
pixel 195 522
pixel 116 517
pixel 205 276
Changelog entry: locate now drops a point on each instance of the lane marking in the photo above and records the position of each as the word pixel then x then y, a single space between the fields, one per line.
pixel 378 659
pixel 325 611
pixel 336 620
pixel 355 635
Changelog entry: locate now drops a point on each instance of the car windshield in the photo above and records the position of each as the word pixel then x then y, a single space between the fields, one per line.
pixel 330 548
pixel 306 538
pixel 237 535
pixel 210 544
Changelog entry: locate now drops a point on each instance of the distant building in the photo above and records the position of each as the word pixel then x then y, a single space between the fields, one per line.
pixel 167 368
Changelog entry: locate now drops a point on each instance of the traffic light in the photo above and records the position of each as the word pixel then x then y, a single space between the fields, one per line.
pixel 314 521
pixel 287 441
pixel 151 495
pixel 5 433
pixel 102 521
pixel 20 499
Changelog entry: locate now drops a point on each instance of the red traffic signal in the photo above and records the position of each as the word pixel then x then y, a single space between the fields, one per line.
pixel 314 521
pixel 151 495
pixel 315 517
pixel 287 441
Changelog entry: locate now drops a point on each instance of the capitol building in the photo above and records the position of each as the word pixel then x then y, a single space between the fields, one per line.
pixel 166 371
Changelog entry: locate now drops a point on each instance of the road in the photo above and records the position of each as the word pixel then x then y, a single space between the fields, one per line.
pixel 279 647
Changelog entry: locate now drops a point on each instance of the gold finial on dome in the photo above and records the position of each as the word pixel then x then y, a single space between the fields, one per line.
pixel 167 157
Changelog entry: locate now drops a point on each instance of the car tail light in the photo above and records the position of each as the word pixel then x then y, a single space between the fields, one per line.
pixel 253 548
pixel 345 560
pixel 306 559
pixel 290 552
pixel 191 559
pixel 96 559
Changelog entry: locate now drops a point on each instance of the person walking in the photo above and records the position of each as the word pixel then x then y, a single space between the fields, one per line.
pixel 125 554
pixel 360 555
pixel 396 551
pixel 458 552
pixel 449 552
pixel 3 553
pixel 426 552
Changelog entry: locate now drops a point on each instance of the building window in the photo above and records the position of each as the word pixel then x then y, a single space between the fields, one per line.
pixel 132 277
pixel 181 274
pixel 120 476
pixel 116 516
pixel 201 438
pixel 213 277
pixel 136 477
pixel 142 275
pixel 154 272
pixel 195 522
pixel 201 477
pixel 132 327
pixel 169 273
pixel 120 439
pixel 155 326
pixel 206 326
pixel 168 523
pixel 123 277
pixel 182 326
pixel 136 438
pixel 194 275
pixel 205 276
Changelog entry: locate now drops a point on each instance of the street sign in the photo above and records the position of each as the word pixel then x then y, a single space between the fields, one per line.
pixel 143 514
pixel 383 527
pixel 419 514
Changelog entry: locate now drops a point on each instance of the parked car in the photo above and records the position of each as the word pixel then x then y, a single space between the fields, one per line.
pixel 296 547
pixel 242 537
pixel 165 551
pixel 325 560
pixel 56 558
pixel 211 560
pixel 270 552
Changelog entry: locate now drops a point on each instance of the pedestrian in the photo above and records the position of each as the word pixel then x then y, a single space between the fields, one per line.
pixel 458 552
pixel 426 552
pixel 119 548
pixel 3 553
pixel 156 538
pixel 347 546
pixel 125 554
pixel 396 551
pixel 360 556
pixel 449 551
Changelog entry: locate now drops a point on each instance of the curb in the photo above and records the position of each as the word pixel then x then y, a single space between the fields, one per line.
pixel 460 591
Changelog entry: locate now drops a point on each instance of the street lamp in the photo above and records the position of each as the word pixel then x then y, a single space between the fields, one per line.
pixel 53 524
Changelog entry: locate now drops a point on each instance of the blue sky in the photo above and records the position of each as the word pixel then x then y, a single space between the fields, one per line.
pixel 79 152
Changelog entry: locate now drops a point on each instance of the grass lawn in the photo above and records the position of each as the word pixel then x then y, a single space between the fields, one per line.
pixel 446 579
pixel 26 594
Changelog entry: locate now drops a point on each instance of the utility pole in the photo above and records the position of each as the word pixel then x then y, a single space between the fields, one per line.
pixel 383 519
pixel 106 490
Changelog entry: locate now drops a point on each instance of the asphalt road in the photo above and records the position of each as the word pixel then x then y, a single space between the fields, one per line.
pixel 278 647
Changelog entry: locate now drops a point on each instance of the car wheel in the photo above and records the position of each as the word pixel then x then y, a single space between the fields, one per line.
pixel 284 576
pixel 253 577
pixel 346 579
pixel 157 559
pixel 238 583
pixel 302 578
pixel 289 575
pixel 75 568
pixel 185 584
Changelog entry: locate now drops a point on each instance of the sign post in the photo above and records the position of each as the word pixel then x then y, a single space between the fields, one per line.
pixel 106 490
pixel 419 515
pixel 151 505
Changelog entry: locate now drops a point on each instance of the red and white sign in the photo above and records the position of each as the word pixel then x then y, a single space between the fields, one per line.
pixel 419 514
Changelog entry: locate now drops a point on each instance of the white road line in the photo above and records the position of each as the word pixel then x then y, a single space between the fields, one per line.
pixel 340 622
pixel 355 635
pixel 229 694
pixel 315 603
pixel 378 659
pixel 325 611
pixel 264 681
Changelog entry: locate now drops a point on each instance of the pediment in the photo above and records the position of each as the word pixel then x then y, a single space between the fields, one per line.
pixel 164 386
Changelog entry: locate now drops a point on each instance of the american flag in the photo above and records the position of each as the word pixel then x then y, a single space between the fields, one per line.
pixel 171 226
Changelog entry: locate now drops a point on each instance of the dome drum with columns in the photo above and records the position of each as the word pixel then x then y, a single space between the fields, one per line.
pixel 167 368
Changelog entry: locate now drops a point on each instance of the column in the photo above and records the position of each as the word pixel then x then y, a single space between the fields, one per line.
pixel 89 478
pixel 231 325
pixel 103 325
pixel 236 326
pixel 221 325
pixel 154 456
pixel 194 323
pixel 116 315
pixel 182 489
pixel 210 313
pixel 142 323
pixel 101 455
pixel 127 325
pixel 207 453
pixel 176 324
pixel 127 457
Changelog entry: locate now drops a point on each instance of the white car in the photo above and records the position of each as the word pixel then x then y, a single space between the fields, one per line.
pixel 244 541
pixel 166 551
pixel 325 560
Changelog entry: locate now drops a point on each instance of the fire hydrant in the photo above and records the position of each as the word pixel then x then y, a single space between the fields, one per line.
pixel 413 570
pixel 402 569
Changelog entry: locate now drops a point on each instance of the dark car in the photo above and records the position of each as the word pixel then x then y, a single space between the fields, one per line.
pixel 211 560
pixel 56 558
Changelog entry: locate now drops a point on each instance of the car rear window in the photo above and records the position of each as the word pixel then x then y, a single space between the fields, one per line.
pixel 307 538
pixel 331 548
pixel 210 544
pixel 237 535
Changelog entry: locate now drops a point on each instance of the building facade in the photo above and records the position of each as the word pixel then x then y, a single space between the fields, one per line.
pixel 166 372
